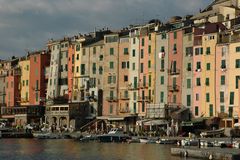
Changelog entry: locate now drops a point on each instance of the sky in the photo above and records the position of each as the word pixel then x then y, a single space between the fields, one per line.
pixel 27 25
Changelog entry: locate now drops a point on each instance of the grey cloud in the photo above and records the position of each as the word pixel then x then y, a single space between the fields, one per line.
pixel 28 24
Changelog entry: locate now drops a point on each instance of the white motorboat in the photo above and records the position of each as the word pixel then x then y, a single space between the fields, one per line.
pixel 144 140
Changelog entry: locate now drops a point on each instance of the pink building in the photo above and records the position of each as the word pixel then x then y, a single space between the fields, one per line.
pixel 175 64
pixel 39 61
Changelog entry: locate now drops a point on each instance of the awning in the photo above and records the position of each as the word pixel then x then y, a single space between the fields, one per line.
pixel 194 122
pixel 140 122
pixel 158 122
pixel 115 118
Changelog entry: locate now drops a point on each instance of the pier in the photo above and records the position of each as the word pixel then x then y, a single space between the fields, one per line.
pixel 207 153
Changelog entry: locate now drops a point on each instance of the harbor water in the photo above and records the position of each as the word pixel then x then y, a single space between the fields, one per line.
pixel 34 149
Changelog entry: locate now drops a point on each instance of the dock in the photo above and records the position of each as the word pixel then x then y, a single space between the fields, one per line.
pixel 207 153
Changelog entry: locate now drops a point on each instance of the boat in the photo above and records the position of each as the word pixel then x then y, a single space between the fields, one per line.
pixel 189 142
pixel 144 140
pixel 88 138
pixel 166 141
pixel 213 133
pixel 114 135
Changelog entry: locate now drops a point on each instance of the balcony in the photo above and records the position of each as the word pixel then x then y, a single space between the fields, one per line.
pixel 142 85
pixel 174 71
pixel 143 99
pixel 111 99
pixel 173 88
pixel 124 97
pixel 162 70
pixel 124 110
pixel 134 86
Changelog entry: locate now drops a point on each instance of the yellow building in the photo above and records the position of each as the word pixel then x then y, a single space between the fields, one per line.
pixel 24 64
pixel 234 76
pixel 207 65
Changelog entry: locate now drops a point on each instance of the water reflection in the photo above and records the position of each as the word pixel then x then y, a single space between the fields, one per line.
pixel 32 149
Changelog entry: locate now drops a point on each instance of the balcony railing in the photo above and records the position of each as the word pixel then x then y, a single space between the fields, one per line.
pixel 174 71
pixel 173 88
pixel 111 99
pixel 124 110
pixel 143 85
pixel 124 97
pixel 133 86
pixel 143 99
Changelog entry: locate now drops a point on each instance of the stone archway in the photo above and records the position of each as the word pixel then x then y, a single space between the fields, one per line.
pixel 63 122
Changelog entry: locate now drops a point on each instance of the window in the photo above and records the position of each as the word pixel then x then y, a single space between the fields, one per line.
pixel 198 82
pixel 36 96
pixel 27 67
pixel 23 83
pixel 94 50
pixel 26 82
pixel 149 64
pixel 237 65
pixel 198 65
pixel 196 111
pixel 77 69
pixel 224 50
pixel 237 49
pixel 162 49
pixel 223 64
pixel 82 69
pixel 134 40
pixel 221 97
pixel 144 80
pixel 208 66
pixel 198 51
pixel 94 68
pixel 189 67
pixel 123 65
pixel 207 97
pixel 222 108
pixel 125 52
pixel 142 53
pixel 207 82
pixel 149 37
pixel 110 109
pixel 133 52
pixel 111 65
pixel 162 80
pixel 175 35
pixel 164 35
pixel 222 80
pixel 66 67
pixel 210 110
pixel 141 68
pixel 162 97
pixel 101 57
pixel 162 64
pixel 100 70
pixel 77 57
pixel 142 41
pixel 188 100
pixel 189 51
pixel 149 80
pixel 133 66
pixel 237 81
pixel 50 82
pixel 149 49
pixel 134 108
pixel 197 97
pixel 175 48
pixel 125 78
pixel 111 51
pixel 37 86
pixel 77 47
pixel 188 83
pixel 208 51
pixel 35 59
pixel 26 96
pixel 174 98
pixel 230 111
pixel 231 98
pixel 134 96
